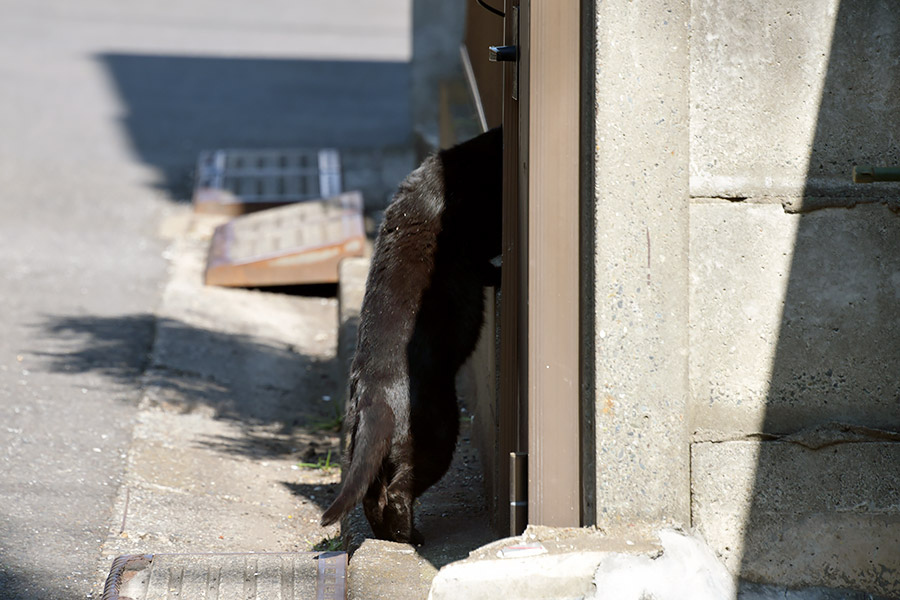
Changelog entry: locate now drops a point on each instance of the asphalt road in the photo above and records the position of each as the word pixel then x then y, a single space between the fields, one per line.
pixel 103 108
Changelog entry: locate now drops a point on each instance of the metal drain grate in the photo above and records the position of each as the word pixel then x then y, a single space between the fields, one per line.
pixel 234 182
pixel 244 576
pixel 296 244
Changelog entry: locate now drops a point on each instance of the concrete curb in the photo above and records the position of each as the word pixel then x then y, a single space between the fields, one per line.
pixel 543 562
pixel 587 564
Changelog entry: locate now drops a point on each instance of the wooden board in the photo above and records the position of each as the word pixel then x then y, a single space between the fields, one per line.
pixel 296 244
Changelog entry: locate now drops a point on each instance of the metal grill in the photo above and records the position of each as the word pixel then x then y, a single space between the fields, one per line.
pixel 273 576
pixel 234 182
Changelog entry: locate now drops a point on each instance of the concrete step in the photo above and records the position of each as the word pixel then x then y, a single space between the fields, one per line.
pixel 587 564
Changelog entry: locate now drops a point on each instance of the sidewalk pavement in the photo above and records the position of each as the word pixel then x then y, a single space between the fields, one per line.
pixel 239 392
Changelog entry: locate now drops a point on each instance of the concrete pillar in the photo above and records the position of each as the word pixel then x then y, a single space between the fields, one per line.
pixel 641 269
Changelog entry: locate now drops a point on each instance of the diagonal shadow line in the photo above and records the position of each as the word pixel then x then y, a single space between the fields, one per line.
pixel 833 510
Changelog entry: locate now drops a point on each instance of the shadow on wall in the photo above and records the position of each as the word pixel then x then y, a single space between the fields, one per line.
pixel 177 106
pixel 825 500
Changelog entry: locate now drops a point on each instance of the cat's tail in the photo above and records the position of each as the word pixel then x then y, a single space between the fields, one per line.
pixel 371 440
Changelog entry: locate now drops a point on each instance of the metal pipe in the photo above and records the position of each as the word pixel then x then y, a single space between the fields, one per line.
pixel 869 174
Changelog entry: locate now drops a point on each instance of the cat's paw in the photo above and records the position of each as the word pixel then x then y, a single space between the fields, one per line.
pixel 416 538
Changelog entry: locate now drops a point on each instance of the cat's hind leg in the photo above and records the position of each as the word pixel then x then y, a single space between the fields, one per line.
pixel 388 506
pixel 398 510
pixel 373 505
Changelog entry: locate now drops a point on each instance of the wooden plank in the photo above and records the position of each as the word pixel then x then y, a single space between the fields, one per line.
pixel 296 244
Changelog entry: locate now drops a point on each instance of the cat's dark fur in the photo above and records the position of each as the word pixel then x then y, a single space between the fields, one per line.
pixel 421 318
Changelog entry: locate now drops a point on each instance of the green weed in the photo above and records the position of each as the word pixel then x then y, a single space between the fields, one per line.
pixel 333 424
pixel 321 464
pixel 334 544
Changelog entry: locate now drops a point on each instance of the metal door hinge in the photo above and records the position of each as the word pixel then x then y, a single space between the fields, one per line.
pixel 518 492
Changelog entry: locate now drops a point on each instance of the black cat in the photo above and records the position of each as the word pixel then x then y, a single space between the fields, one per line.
pixel 421 317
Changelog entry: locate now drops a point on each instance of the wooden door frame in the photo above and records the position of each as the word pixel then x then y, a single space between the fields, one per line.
pixel 513 340
pixel 544 294
pixel 550 114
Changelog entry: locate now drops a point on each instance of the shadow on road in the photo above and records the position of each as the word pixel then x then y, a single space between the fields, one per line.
pixel 177 106
pixel 319 494
pixel 25 583
pixel 262 384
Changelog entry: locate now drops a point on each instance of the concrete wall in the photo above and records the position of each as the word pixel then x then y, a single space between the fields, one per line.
pixel 758 361
pixel 641 192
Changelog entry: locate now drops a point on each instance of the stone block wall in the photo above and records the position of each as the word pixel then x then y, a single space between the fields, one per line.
pixel 789 415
